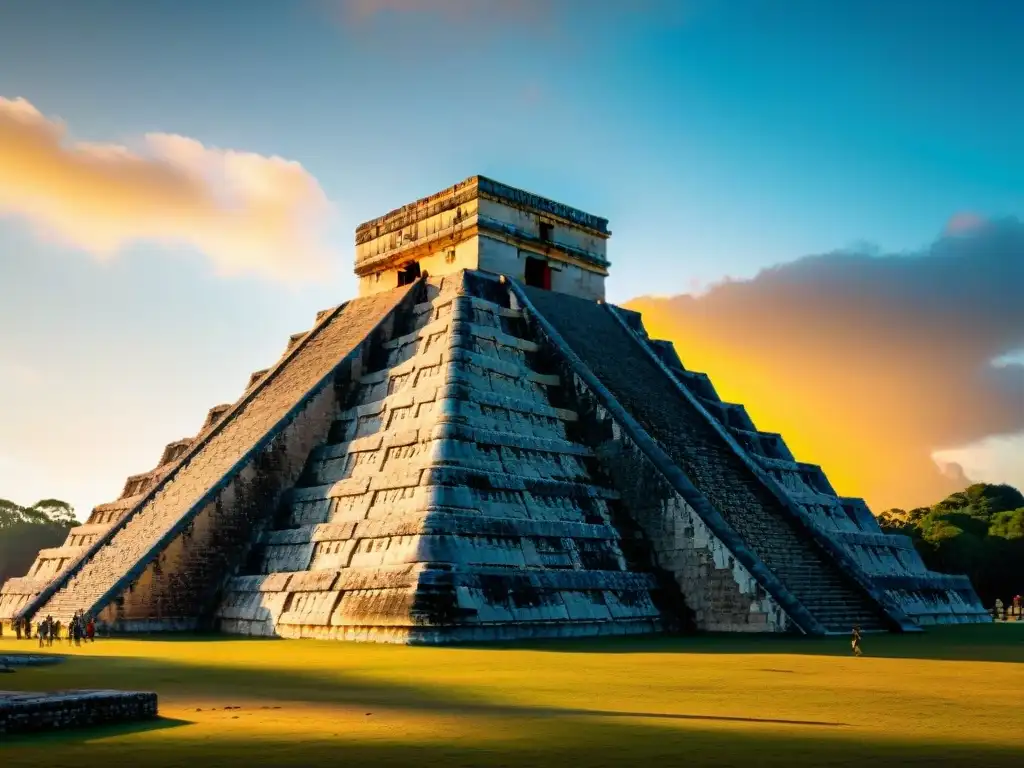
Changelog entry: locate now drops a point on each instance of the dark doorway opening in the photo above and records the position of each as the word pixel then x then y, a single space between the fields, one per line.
pixel 410 274
pixel 538 273
pixel 546 231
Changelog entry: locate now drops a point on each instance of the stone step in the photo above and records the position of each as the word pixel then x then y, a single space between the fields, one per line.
pixel 215 456
pixel 693 442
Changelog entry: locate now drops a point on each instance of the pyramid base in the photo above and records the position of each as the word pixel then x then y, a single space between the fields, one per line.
pixel 413 635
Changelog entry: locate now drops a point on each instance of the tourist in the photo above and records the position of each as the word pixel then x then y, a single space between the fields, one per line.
pixel 17 628
pixel 49 630
pixel 41 633
pixel 56 629
pixel 855 642
pixel 90 630
pixel 75 629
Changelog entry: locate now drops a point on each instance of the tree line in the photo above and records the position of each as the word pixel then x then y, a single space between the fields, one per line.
pixel 978 531
pixel 26 530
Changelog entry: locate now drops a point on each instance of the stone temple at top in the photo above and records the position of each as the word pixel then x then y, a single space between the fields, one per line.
pixel 479 448
pixel 486 226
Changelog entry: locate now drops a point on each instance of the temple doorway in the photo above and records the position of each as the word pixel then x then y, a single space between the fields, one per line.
pixel 538 273
pixel 410 274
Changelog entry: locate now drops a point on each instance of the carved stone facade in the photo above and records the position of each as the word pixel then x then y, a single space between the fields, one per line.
pixel 480 224
pixel 448 503
pixel 468 457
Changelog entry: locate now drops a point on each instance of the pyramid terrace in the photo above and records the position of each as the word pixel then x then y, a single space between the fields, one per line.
pixel 479 448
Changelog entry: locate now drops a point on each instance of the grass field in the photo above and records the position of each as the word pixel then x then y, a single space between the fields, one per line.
pixel 949 697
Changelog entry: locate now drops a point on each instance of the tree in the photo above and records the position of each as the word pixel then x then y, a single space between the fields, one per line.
pixel 57 511
pixel 26 530
pixel 978 531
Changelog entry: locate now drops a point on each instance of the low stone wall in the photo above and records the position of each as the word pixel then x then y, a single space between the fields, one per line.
pixel 28 660
pixel 36 712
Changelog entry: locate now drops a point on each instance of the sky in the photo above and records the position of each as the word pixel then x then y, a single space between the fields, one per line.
pixel 820 203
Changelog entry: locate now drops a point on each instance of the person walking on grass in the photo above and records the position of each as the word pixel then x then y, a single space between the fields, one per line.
pixel 855 639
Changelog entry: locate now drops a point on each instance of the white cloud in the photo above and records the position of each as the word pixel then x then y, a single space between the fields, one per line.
pixel 248 213
pixel 992 460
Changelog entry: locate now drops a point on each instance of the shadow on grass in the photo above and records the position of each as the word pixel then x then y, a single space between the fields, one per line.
pixel 90 733
pixel 521 741
pixel 229 685
pixel 496 733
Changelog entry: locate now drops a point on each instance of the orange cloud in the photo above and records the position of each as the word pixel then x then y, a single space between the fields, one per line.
pixel 247 213
pixel 869 365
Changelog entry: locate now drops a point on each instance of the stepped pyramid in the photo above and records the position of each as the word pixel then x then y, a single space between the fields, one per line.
pixel 479 448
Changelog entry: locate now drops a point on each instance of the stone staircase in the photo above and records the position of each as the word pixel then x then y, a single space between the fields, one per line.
pixel 198 480
pixel 890 561
pixel 448 502
pixel 749 507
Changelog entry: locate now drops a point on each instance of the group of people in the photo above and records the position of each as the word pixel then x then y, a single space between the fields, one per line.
pixel 81 627
pixel 1015 609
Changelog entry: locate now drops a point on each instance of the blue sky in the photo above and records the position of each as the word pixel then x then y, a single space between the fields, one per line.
pixel 718 137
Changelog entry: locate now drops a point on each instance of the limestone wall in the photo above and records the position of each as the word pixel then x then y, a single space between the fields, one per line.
pixel 720 593
pixel 501 257
pixel 576 281
pixel 563 234
pixel 448 505
pixel 46 712
pixel 175 590
pixel 219 467
pixel 444 222
pixel 480 224
pixel 441 244
pixel 442 256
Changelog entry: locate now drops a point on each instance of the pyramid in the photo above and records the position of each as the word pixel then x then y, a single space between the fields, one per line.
pixel 479 448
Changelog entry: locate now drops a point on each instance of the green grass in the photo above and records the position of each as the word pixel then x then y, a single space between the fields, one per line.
pixel 950 697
